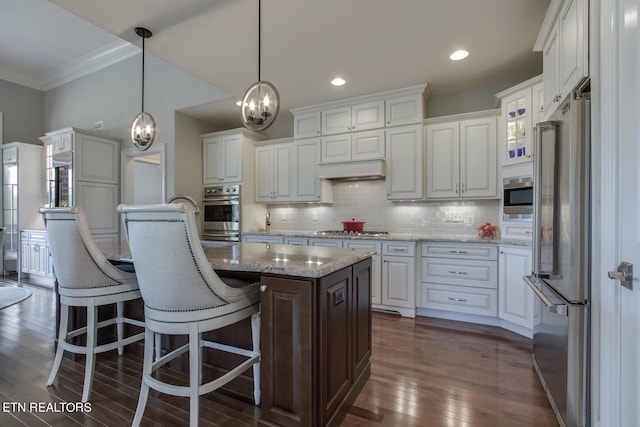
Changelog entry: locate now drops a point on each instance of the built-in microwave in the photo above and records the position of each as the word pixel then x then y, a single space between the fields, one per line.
pixel 517 198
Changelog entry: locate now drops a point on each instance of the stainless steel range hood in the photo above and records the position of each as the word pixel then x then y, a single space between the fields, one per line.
pixel 362 169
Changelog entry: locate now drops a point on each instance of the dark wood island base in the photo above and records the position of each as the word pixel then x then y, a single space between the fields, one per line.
pixel 316 345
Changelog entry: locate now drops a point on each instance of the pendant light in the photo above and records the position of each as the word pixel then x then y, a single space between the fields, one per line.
pixel 261 102
pixel 143 129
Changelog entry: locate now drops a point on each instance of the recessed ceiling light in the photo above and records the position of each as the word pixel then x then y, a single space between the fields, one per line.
pixel 459 54
pixel 338 81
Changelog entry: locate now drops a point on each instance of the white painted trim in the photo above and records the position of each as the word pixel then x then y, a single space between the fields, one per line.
pixel 90 63
pixel 605 296
pixel 425 89
pixel 547 25
pixel 21 79
pixel 128 157
pixel 86 64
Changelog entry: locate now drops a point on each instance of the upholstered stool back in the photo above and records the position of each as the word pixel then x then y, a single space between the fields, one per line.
pixel 81 269
pixel 157 233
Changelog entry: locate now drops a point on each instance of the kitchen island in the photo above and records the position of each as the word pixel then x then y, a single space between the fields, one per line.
pixel 316 326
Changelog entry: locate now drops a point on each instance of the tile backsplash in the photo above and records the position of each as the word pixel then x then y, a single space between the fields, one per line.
pixel 366 201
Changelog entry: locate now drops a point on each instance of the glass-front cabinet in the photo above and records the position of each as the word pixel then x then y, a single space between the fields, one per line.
pixel 520 113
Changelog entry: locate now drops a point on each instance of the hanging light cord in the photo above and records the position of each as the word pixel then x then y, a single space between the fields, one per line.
pixel 259 34
pixel 143 74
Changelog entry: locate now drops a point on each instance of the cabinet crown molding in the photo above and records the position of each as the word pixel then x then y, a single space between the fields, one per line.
pixel 462 116
pixel 423 88
pixel 547 25
pixel 513 89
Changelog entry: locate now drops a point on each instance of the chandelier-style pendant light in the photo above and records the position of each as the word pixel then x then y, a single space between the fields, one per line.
pixel 143 129
pixel 261 102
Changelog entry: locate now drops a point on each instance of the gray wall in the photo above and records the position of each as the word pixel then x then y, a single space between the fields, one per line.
pixel 23 113
pixel 467 101
pixel 113 95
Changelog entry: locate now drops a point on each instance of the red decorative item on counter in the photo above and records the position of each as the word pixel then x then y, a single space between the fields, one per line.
pixel 487 231
pixel 353 225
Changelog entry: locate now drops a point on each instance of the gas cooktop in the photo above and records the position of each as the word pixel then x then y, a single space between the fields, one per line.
pixel 350 233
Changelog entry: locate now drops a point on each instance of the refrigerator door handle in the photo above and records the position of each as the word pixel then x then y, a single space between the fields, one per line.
pixel 561 309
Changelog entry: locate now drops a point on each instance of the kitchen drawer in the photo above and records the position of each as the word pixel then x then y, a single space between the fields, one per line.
pixel 274 240
pixel 372 245
pixel 398 248
pixel 517 231
pixel 474 251
pixel 330 243
pixel 461 299
pixel 296 241
pixel 472 273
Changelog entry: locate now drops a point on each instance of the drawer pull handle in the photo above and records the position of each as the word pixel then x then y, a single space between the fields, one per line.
pixel 458 252
pixel 457 299
pixel 397 250
pixel 457 272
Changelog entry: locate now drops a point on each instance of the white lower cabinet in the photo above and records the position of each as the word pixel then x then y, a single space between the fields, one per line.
pixel 460 278
pixel 399 277
pixel 517 303
pixel 35 259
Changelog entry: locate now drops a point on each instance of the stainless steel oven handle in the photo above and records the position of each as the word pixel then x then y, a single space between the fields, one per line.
pixel 561 309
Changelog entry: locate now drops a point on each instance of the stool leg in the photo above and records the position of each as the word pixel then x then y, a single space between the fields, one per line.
pixel 194 375
pixel 120 324
pixel 92 340
pixel 158 345
pixel 146 371
pixel 62 338
pixel 255 336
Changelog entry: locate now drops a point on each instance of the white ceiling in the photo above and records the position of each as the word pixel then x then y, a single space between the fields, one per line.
pixel 374 44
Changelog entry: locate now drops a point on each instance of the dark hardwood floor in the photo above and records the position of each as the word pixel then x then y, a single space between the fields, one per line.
pixel 425 372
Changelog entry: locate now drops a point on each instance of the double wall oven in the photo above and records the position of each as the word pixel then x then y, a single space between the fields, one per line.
pixel 221 213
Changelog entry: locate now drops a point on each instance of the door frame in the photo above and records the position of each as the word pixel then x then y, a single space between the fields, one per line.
pixel 129 156
pixel 607 23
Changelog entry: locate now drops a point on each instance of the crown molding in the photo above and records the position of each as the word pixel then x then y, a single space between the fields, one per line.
pixel 90 63
pixel 86 64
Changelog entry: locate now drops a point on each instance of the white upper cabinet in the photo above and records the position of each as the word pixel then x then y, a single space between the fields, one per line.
pixel 336 148
pixel 225 153
pixel 461 158
pixel 306 125
pixel 564 42
pixel 404 161
pixel 367 145
pixel 223 159
pixel 286 171
pixel 368 115
pixel 404 110
pixel 308 187
pixel 520 113
pixel 350 118
pixel 443 160
pixel 574 38
pixel 550 65
pixel 336 120
pixel 274 173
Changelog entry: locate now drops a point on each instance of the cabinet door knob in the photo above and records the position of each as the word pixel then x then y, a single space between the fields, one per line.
pixel 263 288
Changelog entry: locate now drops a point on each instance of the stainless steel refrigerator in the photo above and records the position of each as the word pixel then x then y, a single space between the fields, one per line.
pixel 561 250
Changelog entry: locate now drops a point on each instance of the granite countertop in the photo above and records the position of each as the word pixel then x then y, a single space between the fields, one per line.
pixel 299 261
pixel 399 237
